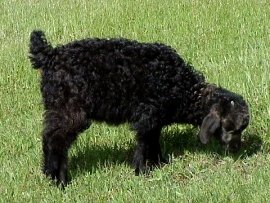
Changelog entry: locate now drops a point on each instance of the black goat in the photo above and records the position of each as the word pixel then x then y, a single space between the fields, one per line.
pixel 117 80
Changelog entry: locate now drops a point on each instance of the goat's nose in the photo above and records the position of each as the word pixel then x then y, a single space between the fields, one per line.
pixel 234 146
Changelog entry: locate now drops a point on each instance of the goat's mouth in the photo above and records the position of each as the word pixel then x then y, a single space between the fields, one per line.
pixel 233 146
pixel 231 141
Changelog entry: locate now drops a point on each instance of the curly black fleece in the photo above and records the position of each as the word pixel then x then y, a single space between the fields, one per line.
pixel 116 80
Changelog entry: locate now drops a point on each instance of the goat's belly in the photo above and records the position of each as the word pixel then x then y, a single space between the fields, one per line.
pixel 111 113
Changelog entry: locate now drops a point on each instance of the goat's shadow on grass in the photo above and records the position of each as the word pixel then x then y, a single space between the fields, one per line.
pixel 174 141
pixel 91 158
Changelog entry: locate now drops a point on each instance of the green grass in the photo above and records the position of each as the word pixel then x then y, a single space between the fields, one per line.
pixel 227 40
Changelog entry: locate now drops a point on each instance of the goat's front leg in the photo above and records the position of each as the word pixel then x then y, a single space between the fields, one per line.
pixel 148 151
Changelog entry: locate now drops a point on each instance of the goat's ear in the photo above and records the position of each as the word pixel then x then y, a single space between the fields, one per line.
pixel 209 126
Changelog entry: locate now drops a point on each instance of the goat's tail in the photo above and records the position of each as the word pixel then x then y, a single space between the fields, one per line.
pixel 40 49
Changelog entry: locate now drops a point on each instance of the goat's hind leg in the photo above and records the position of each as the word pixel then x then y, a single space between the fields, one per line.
pixel 60 130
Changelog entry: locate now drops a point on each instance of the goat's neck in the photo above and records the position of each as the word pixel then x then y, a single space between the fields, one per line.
pixel 201 102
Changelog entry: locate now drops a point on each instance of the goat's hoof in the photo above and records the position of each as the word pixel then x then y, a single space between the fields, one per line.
pixel 59 178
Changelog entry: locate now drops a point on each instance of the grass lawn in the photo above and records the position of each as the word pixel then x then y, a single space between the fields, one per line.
pixel 227 40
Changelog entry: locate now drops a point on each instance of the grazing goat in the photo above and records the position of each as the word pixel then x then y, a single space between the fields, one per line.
pixel 147 85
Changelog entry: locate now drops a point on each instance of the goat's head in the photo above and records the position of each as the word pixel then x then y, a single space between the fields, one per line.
pixel 226 120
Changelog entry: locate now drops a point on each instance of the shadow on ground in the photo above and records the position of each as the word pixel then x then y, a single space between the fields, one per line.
pixel 90 158
pixel 175 140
